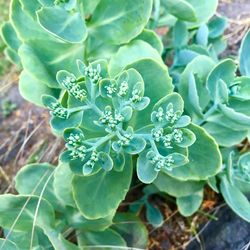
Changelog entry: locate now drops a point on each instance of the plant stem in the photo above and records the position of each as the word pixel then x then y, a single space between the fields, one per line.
pixel 101 141
pixel 207 114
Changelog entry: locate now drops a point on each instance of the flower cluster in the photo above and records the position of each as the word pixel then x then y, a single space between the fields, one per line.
pixel 175 137
pixel 123 90
pixel 165 130
pixel 74 144
pixel 125 139
pixel 159 162
pixel 57 110
pixel 111 89
pixel 74 89
pixel 110 118
pixel 169 115
pixel 93 73
pixel 135 96
pixel 92 160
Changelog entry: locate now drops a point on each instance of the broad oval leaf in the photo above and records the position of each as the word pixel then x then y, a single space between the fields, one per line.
pixel 175 187
pixel 225 71
pixel 244 55
pixel 76 220
pixel 7 244
pixel 188 205
pixel 62 184
pixel 42 61
pixel 38 89
pixel 11 205
pixel 162 81
pixel 69 26
pixel 181 9
pixel 119 22
pixel 131 53
pixel 108 237
pixel 37 179
pixel 154 215
pixel 131 228
pixel 145 170
pixel 106 188
pixel 204 10
pixel 9 36
pixel 237 201
pixel 151 38
pixel 199 67
pixel 225 135
pixel 201 165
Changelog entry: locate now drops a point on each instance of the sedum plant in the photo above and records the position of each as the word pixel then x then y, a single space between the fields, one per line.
pixel 118 121
pixel 125 117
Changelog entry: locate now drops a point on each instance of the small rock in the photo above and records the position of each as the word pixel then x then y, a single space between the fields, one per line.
pixel 229 232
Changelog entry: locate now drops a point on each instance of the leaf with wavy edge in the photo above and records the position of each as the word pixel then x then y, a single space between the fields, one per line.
pixel 105 188
pixel 201 165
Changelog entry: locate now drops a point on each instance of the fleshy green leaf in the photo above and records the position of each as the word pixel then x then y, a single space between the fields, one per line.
pixel 188 205
pixel 225 71
pixel 193 97
pixel 7 244
pixel 59 125
pixel 63 24
pixel 189 138
pixel 244 55
pixel 181 9
pixel 151 38
pixel 177 188
pixel 38 89
pixel 154 215
pixel 204 10
pixel 234 116
pixel 106 188
pixel 131 53
pixel 242 88
pixel 105 161
pixel 202 35
pixel 130 227
pixel 200 67
pixel 9 36
pixel 145 169
pixel 119 161
pixel 162 81
pixel 89 6
pixel 11 205
pixel 76 220
pixel 42 61
pixel 180 34
pixel 225 136
pixel 62 184
pixel 237 201
pixel 174 98
pixel 135 146
pixel 201 165
pixel 108 237
pixel 30 176
pixel 217 27
pixel 212 182
pixel 119 22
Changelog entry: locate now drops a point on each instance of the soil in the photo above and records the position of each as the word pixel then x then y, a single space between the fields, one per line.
pixel 26 138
